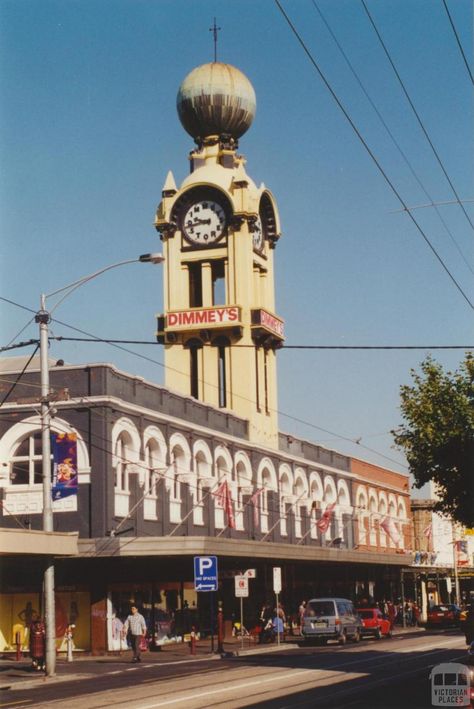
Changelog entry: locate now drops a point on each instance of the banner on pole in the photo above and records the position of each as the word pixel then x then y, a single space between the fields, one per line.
pixel 64 449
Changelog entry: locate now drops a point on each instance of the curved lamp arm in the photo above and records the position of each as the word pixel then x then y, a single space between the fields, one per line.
pixel 144 258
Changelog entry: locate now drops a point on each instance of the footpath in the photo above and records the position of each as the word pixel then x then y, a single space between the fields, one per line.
pixel 18 674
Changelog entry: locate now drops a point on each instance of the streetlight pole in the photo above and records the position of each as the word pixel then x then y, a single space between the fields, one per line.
pixel 43 318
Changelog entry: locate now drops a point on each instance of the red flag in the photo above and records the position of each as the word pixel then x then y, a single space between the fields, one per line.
pixel 323 523
pixel 462 557
pixel 428 531
pixel 388 526
pixel 254 500
pixel 224 499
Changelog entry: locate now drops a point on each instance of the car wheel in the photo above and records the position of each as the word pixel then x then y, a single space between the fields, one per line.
pixel 378 634
pixel 342 639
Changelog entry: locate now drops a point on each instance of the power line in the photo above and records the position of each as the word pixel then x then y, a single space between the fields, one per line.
pixel 277 411
pixel 280 413
pixel 392 137
pixel 19 376
pixel 420 122
pixel 372 155
pixel 18 345
pixel 110 341
pixel 458 41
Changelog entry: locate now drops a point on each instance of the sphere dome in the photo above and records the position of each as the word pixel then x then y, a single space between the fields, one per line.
pixel 216 99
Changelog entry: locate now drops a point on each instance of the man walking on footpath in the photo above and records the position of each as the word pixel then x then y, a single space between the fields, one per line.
pixel 137 625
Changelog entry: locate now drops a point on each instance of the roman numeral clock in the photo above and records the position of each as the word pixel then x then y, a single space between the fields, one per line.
pixel 219 232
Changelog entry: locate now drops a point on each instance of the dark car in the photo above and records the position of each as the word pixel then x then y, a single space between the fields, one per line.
pixel 444 615
pixel 374 624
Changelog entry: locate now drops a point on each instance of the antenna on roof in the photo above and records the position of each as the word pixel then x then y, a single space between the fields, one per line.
pixel 214 29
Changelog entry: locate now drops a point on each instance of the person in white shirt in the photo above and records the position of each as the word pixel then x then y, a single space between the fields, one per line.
pixel 137 625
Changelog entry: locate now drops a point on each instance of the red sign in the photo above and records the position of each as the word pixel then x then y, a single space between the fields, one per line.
pixel 269 322
pixel 207 317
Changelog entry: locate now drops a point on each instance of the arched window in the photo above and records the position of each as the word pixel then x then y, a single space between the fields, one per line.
pixel 265 512
pixel 203 470
pixel 373 519
pixel 383 513
pixel 242 484
pixel 300 489
pixel 27 462
pixel 285 492
pixel 123 457
pixel 21 476
pixel 152 478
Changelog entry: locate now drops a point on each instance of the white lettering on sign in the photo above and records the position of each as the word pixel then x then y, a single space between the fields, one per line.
pixel 206 316
pixel 276 579
pixel 272 323
pixel 241 587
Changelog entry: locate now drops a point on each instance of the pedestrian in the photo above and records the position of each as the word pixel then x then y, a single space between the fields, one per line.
pixel 278 627
pixel 301 613
pixel 392 613
pixel 279 611
pixel 265 618
pixel 37 644
pixel 136 623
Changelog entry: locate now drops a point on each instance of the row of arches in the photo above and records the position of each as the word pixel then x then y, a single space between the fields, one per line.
pixel 176 462
pixel 281 489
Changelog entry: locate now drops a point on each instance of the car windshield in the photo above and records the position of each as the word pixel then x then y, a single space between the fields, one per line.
pixel 436 609
pixel 319 608
pixel 366 614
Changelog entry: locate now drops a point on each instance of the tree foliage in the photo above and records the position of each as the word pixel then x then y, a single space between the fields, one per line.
pixel 437 435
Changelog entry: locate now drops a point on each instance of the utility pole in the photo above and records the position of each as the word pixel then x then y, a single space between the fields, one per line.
pixel 43 318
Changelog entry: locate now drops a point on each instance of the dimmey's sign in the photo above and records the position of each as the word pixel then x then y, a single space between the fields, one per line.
pixel 269 322
pixel 206 316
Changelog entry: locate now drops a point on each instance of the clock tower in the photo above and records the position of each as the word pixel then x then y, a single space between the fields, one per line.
pixel 219 231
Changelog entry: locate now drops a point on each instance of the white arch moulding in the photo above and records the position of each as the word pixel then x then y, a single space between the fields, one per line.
pixel 28 499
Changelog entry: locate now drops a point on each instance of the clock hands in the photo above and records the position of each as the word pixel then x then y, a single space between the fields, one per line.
pixel 196 222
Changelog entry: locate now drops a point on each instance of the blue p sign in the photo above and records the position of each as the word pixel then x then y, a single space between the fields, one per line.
pixel 205 573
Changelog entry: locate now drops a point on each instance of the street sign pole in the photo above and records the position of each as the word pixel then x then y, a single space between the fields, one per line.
pixel 277 590
pixel 242 622
pixel 277 616
pixel 212 623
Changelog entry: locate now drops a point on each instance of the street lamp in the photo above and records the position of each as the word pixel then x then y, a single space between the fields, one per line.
pixel 43 318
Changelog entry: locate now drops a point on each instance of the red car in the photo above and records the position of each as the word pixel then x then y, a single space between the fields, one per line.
pixel 444 615
pixel 374 623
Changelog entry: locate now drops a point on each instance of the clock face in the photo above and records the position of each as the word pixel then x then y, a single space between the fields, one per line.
pixel 257 234
pixel 204 222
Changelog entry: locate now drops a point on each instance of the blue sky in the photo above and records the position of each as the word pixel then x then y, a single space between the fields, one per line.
pixel 89 130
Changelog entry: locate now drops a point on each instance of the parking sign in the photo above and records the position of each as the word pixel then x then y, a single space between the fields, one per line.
pixel 205 573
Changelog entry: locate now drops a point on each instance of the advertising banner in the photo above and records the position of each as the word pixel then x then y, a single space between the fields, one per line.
pixel 64 449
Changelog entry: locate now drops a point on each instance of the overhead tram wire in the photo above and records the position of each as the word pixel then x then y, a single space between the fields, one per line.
pixel 20 375
pixel 369 151
pixel 420 122
pixel 17 345
pixel 458 41
pixel 393 139
pixel 277 411
pixel 110 341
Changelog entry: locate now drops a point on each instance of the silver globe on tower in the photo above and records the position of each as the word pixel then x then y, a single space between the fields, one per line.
pixel 216 100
